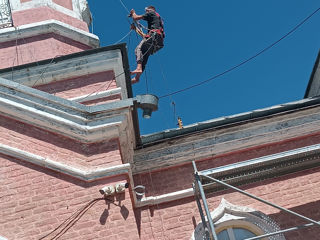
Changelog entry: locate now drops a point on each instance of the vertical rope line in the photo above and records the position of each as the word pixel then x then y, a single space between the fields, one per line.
pixel 124 6
pixel 17 50
pixel 164 79
pixel 146 77
pixel 15 55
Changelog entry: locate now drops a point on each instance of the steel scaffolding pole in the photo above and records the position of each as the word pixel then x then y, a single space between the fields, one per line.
pixel 281 231
pixel 203 219
pixel 261 200
pixel 199 187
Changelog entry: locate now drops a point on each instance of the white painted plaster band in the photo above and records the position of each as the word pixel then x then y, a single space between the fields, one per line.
pixel 49 26
pixel 154 200
pixel 107 129
pixel 70 68
pixel 83 174
pixel 87 124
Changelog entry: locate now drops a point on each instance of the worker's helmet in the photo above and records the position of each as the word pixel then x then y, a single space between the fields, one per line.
pixel 150 8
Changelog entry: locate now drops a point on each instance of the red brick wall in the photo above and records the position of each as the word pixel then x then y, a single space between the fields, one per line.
pixel 182 175
pixel 83 85
pixel 64 3
pixel 37 48
pixel 299 192
pixel 45 13
pixel 34 201
pixel 58 148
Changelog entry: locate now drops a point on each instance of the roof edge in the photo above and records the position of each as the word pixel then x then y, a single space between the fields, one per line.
pixel 312 76
pixel 223 121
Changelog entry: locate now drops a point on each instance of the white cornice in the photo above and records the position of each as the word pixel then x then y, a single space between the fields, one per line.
pixel 173 196
pixel 49 26
pixel 86 174
pixel 226 140
pixel 80 65
pixel 79 172
pixel 68 118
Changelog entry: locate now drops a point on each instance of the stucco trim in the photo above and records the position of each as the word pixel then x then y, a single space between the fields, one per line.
pixel 49 26
pixel 227 139
pixel 227 215
pixel 68 118
pixel 293 154
pixel 85 174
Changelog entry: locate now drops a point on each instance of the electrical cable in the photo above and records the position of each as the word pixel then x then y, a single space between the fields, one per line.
pixel 73 218
pixel 245 61
pixel 16 55
pixel 167 87
pixel 12 66
pixel 43 72
pixel 31 54
pixel 100 87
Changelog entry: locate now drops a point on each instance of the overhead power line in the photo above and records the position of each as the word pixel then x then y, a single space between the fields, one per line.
pixel 245 61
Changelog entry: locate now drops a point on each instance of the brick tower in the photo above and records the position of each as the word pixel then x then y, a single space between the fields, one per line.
pixel 37 30
pixel 68 125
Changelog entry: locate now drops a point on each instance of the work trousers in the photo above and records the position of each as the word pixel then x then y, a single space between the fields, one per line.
pixel 147 47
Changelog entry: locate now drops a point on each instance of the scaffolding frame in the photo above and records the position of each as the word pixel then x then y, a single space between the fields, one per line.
pixel 209 229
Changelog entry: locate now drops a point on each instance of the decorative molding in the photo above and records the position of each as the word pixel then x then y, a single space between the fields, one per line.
pixel 245 167
pixel 71 119
pixel 74 171
pixel 263 168
pixel 226 139
pixel 79 65
pixel 228 214
pixel 49 26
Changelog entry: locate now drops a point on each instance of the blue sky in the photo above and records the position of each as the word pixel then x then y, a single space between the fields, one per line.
pixel 206 38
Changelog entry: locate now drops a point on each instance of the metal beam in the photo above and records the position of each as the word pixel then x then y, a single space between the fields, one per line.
pixel 282 231
pixel 261 200
pixel 199 187
pixel 203 219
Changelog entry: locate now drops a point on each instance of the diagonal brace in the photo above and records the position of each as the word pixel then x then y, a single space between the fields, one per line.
pixel 260 199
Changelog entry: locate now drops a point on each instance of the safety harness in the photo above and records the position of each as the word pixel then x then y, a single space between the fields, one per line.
pixel 158 31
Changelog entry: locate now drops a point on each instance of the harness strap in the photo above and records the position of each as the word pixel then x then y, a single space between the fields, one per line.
pixel 158 31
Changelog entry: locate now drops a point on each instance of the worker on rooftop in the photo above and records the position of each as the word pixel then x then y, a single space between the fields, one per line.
pixel 151 42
